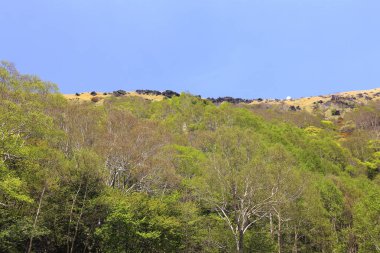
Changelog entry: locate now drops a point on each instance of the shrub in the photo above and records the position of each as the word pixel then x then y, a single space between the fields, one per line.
pixel 119 93
pixel 170 94
pixel 95 99
pixel 335 112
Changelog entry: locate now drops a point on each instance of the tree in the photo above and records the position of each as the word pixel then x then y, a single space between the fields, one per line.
pixel 134 152
pixel 244 179
pixel 138 223
pixel 367 219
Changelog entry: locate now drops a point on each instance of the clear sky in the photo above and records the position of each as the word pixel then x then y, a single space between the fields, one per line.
pixel 241 48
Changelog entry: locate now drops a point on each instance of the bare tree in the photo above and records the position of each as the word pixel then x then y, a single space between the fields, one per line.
pixel 134 152
pixel 244 181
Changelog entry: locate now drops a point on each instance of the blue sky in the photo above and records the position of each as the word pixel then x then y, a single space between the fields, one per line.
pixel 241 48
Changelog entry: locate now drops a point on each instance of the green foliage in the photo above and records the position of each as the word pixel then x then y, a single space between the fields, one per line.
pixel 138 223
pixel 133 175
pixel 328 124
pixel 367 219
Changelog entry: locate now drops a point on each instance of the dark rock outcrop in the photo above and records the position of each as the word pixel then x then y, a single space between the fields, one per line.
pixel 118 93
pixel 170 94
pixel 149 92
pixel 230 100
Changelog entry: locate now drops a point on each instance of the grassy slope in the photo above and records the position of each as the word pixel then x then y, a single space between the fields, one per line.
pixel 86 96
pixel 306 103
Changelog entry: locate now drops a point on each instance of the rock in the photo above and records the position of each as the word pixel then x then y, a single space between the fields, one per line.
pixel 230 100
pixel 335 98
pixel 170 94
pixel 119 93
pixel 149 92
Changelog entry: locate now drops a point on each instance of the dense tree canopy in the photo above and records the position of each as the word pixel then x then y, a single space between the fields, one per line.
pixel 182 175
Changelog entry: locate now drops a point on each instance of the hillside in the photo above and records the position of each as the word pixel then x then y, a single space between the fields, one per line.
pixel 166 172
pixel 331 105
pixel 341 101
pixel 86 96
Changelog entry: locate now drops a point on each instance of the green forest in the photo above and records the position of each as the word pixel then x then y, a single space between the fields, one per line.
pixel 182 175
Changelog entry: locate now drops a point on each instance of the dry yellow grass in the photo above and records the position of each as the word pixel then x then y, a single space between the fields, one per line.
pixel 86 96
pixel 150 97
pixel 306 103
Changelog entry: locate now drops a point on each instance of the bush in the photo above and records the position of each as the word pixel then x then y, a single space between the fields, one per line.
pixel 170 94
pixel 335 112
pixel 149 92
pixel 119 93
pixel 95 99
pixel 348 128
pixel 93 93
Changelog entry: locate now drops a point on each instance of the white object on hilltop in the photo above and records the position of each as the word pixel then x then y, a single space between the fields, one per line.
pixel 288 98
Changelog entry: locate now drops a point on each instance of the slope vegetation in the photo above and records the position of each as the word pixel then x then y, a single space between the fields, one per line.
pixel 182 174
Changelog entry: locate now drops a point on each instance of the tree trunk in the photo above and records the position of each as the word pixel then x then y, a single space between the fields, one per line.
pixel 240 246
pixel 35 220
pixel 79 218
pixel 295 245
pixel 271 226
pixel 279 238
pixel 71 217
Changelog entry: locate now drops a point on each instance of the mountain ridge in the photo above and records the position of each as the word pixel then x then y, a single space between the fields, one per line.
pixel 339 102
